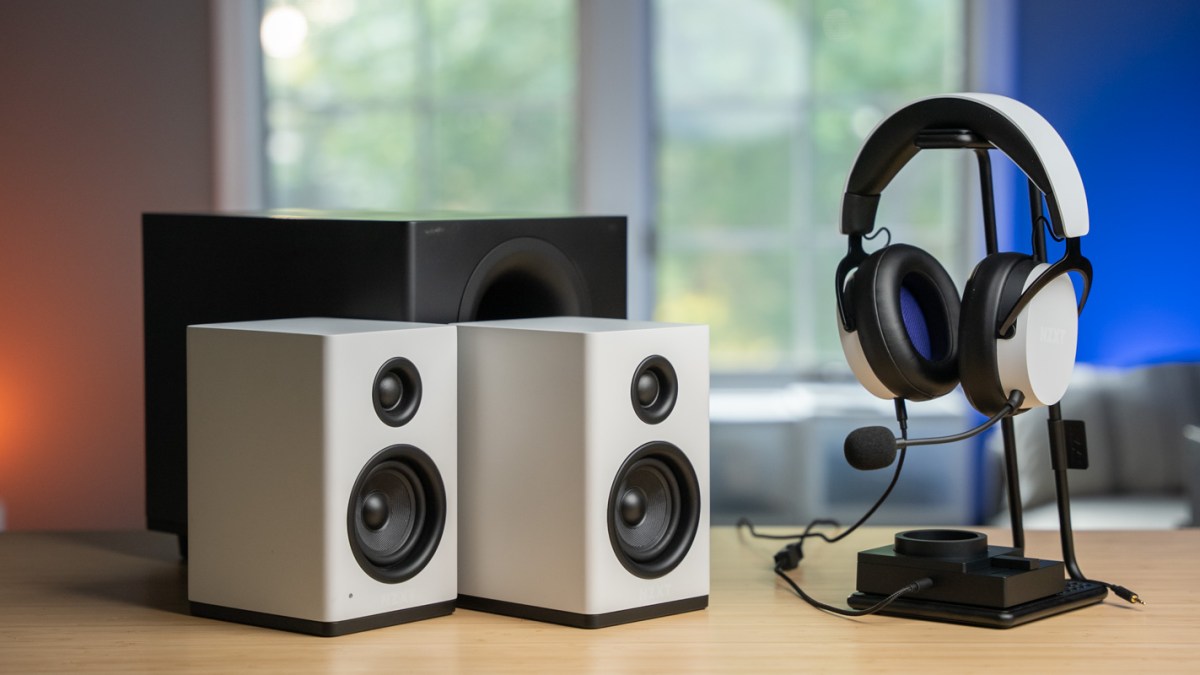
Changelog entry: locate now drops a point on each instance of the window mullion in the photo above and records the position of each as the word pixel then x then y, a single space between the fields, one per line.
pixel 614 130
pixel 239 138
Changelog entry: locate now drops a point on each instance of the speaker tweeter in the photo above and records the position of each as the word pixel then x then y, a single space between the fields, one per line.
pixel 397 392
pixel 654 389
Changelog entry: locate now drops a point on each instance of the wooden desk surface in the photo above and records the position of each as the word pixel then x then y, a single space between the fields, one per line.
pixel 118 602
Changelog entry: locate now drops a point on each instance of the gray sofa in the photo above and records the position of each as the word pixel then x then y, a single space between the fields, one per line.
pixel 1143 431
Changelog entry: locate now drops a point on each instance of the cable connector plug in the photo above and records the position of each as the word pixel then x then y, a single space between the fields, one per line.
pixel 1126 594
pixel 919 585
pixel 789 557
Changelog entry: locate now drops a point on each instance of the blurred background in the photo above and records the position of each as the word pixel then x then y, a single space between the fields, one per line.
pixel 724 129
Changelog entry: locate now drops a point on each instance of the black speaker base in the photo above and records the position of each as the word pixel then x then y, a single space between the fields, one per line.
pixel 1076 595
pixel 577 620
pixel 321 628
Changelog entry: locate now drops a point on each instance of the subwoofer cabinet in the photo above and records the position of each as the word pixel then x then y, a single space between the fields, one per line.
pixel 208 268
pixel 583 469
pixel 323 473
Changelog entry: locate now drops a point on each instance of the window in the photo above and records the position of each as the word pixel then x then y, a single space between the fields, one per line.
pixel 761 108
pixel 418 105
pixel 758 109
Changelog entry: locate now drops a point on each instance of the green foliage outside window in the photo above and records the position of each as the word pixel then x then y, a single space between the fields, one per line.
pixel 761 108
pixel 415 105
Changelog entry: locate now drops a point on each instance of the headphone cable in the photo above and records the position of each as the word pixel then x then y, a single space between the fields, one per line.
pixel 789 557
pixel 921 584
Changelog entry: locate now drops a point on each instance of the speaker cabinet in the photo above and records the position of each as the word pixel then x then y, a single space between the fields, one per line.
pixel 221 268
pixel 584 475
pixel 323 473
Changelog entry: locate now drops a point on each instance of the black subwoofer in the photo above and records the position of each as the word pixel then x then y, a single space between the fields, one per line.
pixel 653 509
pixel 209 268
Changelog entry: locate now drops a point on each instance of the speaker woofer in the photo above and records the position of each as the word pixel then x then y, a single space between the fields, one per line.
pixel 397 513
pixel 653 510
pixel 396 392
pixel 521 278
pixel 391 511
pixel 654 389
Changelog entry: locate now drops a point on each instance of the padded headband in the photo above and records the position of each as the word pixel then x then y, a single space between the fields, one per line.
pixel 1011 126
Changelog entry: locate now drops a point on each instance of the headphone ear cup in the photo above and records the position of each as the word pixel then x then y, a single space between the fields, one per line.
pixel 853 350
pixel 906 312
pixel 1039 357
pixel 992 290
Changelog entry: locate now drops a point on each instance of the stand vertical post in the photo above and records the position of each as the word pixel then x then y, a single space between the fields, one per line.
pixel 1011 475
pixel 1015 514
pixel 1054 422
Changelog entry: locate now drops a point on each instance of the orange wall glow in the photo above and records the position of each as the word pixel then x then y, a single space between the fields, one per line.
pixel 10 434
pixel 105 115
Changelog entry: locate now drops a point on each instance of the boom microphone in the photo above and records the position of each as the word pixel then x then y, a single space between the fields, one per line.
pixel 871 448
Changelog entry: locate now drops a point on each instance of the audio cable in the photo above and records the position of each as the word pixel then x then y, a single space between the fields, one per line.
pixel 789 557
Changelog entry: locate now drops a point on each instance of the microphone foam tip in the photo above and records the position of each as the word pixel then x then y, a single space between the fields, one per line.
pixel 870 448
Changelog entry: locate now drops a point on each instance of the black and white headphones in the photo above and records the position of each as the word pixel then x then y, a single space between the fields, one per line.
pixel 1010 339
pixel 904 329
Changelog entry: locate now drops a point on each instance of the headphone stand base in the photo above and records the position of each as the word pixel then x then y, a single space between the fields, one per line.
pixel 1076 595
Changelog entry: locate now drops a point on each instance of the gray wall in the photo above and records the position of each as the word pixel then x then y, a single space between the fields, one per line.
pixel 104 114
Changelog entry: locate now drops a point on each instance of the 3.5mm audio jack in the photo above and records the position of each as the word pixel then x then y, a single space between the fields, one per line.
pixel 1125 594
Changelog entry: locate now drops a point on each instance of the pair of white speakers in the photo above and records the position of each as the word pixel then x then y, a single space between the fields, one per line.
pixel 346 475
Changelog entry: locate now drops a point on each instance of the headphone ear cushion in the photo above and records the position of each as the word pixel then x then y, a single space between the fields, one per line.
pixel 993 289
pixel 906 312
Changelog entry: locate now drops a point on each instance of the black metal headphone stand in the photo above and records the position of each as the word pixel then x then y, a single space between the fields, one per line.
pixel 1077 591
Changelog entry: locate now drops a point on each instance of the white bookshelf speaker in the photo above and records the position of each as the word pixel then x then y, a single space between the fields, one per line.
pixel 584 472
pixel 322 473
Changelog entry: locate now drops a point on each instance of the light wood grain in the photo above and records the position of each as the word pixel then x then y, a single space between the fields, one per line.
pixel 117 602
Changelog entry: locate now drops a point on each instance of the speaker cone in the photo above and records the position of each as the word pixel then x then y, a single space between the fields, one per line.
pixel 653 509
pixel 396 392
pixel 654 389
pixel 397 513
